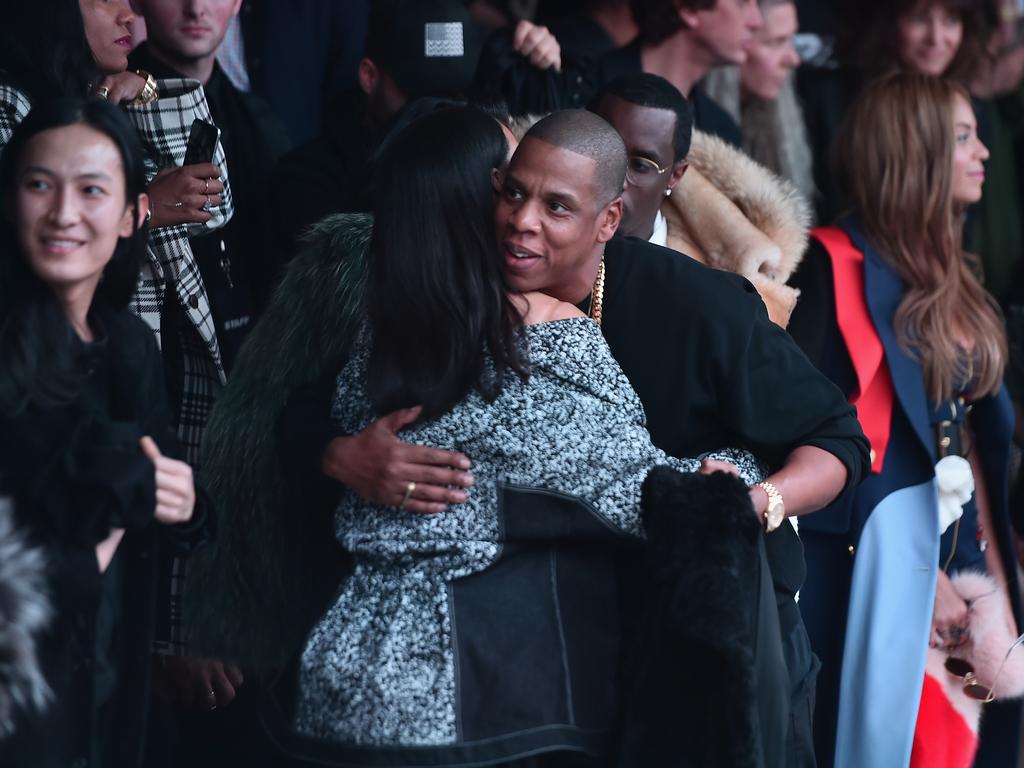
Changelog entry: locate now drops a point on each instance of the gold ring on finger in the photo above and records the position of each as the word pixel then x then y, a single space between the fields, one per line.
pixel 408 493
pixel 206 189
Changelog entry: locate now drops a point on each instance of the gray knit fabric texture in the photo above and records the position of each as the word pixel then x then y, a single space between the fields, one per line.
pixel 379 667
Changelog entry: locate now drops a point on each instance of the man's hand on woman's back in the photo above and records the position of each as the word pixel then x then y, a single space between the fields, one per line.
pixel 378 466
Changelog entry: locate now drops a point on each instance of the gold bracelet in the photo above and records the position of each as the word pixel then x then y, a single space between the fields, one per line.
pixel 149 93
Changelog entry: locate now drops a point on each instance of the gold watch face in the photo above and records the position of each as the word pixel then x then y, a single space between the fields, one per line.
pixel 774 515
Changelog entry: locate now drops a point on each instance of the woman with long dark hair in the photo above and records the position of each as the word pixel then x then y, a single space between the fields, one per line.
pixel 893 310
pixel 450 640
pixel 85 428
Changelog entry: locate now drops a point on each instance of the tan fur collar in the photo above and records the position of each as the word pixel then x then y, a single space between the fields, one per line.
pixel 733 214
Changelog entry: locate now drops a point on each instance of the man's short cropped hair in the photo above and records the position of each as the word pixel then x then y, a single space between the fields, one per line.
pixel 647 90
pixel 591 136
pixel 658 20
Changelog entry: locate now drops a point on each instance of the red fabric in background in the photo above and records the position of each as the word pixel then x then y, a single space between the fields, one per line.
pixel 874 395
pixel 942 738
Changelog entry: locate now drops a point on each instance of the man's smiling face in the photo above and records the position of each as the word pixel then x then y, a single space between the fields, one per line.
pixel 551 222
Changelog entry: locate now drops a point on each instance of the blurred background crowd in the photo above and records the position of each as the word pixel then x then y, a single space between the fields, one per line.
pixel 769 138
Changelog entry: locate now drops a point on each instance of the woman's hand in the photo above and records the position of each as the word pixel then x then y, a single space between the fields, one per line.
pixel 184 195
pixel 949 620
pixel 124 86
pixel 175 489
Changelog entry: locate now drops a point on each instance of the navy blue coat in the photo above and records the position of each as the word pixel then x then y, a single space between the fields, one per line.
pixel 873 555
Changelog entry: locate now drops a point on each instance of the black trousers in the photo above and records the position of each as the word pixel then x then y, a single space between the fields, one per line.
pixel 803 668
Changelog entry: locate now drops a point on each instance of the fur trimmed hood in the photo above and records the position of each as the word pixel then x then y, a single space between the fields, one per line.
pixel 733 214
pixel 24 613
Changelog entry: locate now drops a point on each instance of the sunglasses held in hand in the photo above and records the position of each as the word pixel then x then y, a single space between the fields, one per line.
pixel 973 688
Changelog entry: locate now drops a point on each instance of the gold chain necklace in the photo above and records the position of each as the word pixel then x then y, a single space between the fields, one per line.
pixel 597 295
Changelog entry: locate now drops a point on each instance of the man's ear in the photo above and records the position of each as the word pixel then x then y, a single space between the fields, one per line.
pixel 609 220
pixel 369 76
pixel 497 179
pixel 690 17
pixel 678 171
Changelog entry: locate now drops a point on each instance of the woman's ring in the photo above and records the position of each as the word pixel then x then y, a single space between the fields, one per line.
pixel 206 189
pixel 212 696
pixel 208 204
pixel 103 91
pixel 178 204
pixel 408 492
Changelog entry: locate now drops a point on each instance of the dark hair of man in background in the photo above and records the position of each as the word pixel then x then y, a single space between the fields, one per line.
pixel 645 90
pixel 659 19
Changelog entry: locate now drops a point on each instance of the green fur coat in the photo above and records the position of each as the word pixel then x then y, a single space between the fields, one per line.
pixel 246 593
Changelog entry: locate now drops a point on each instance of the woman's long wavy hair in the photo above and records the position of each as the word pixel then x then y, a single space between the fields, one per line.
pixel 437 299
pixel 895 156
pixel 36 339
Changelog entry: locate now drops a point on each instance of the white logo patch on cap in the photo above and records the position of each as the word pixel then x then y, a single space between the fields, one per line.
pixel 443 40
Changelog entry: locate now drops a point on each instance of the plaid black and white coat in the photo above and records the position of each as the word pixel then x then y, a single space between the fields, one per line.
pixel 170 272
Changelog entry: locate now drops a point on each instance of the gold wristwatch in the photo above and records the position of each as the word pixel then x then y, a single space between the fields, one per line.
pixel 149 91
pixel 776 511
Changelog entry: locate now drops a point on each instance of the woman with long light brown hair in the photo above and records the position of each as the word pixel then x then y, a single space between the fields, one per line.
pixel 893 310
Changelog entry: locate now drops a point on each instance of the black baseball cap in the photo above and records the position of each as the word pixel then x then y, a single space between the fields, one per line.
pixel 428 47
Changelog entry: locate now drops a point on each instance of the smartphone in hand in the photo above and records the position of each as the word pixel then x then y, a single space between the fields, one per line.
pixel 202 141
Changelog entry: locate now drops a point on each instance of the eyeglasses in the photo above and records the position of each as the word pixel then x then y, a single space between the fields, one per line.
pixel 973 688
pixel 643 172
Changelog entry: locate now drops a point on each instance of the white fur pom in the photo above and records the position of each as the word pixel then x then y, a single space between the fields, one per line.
pixel 955 483
pixel 24 612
